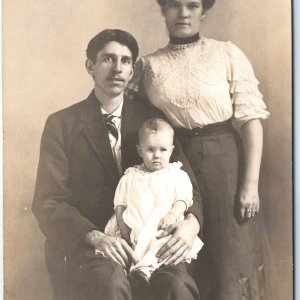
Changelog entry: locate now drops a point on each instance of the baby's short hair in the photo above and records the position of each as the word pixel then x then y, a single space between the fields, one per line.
pixel 155 125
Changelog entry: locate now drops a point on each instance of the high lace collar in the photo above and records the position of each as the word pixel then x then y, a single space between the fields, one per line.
pixel 183 43
pixel 187 40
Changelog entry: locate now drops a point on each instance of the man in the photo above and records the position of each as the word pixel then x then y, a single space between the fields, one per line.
pixel 84 150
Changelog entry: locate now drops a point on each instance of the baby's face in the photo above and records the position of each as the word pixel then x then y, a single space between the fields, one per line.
pixel 156 150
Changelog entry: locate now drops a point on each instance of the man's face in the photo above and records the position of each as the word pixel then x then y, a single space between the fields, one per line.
pixel 112 70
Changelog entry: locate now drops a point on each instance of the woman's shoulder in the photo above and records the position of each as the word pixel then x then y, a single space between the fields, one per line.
pixel 218 44
pixel 157 54
pixel 229 50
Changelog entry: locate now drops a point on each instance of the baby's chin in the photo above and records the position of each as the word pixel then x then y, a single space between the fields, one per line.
pixel 155 167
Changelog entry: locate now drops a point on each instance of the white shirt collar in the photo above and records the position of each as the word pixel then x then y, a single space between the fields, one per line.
pixel 117 112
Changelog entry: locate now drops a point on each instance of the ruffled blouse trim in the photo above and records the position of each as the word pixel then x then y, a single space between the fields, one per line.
pixel 245 85
pixel 141 169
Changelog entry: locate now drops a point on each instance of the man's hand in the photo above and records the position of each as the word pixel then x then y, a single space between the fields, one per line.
pixel 113 247
pixel 183 234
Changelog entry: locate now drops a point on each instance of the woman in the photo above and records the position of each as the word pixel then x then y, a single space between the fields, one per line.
pixel 201 85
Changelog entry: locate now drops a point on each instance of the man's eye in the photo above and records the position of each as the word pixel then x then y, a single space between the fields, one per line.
pixel 126 61
pixel 107 59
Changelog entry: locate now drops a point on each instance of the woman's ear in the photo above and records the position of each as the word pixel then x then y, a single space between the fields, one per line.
pixel 90 67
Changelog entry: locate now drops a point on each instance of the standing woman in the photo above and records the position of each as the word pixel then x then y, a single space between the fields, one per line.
pixel 202 85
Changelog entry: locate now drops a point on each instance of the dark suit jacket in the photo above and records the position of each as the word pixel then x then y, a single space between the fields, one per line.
pixel 77 175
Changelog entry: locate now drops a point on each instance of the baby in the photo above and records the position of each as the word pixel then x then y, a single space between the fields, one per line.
pixel 150 197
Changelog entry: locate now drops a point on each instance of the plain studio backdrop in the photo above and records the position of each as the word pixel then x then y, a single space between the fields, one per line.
pixel 44 55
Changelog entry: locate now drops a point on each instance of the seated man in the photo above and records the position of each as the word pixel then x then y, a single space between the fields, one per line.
pixel 84 150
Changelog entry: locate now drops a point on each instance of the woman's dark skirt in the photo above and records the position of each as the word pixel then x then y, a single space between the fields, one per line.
pixel 235 261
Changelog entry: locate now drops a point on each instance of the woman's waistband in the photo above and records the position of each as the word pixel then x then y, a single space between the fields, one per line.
pixel 210 129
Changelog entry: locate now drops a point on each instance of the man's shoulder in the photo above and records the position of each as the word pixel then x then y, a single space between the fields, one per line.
pixel 143 108
pixel 69 111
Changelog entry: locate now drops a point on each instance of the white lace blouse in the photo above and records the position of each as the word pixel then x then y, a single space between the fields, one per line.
pixel 200 83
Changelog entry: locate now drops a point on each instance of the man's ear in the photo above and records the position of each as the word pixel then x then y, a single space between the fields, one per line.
pixel 90 67
pixel 132 70
pixel 139 150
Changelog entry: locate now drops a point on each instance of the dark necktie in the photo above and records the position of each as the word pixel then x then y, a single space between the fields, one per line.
pixel 110 125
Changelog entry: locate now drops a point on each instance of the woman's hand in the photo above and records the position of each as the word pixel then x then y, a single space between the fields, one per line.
pixel 183 236
pixel 249 201
pixel 115 248
pixel 252 135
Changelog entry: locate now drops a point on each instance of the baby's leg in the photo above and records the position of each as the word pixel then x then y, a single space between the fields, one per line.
pixel 149 262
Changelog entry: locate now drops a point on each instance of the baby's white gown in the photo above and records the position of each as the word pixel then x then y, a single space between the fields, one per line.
pixel 148 197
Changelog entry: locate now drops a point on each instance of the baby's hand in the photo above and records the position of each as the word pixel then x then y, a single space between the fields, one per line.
pixel 125 233
pixel 167 220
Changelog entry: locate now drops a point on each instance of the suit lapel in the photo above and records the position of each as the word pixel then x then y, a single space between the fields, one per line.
pixel 131 121
pixel 97 136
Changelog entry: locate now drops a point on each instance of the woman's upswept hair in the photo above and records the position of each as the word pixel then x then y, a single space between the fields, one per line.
pixel 206 4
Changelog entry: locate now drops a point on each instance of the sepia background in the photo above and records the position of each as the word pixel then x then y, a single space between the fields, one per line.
pixel 44 53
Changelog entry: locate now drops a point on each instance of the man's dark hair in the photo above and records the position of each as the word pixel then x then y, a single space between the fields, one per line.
pixel 109 35
pixel 206 4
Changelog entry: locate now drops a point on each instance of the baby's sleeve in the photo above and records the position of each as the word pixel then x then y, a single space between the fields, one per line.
pixel 246 98
pixel 122 191
pixel 183 188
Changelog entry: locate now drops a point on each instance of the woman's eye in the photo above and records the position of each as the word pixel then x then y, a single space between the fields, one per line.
pixel 173 4
pixel 193 6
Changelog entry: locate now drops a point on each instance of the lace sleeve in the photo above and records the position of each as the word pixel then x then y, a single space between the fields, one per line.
pixel 246 98
pixel 135 85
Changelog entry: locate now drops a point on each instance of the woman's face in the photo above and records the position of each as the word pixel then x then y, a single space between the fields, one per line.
pixel 183 17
